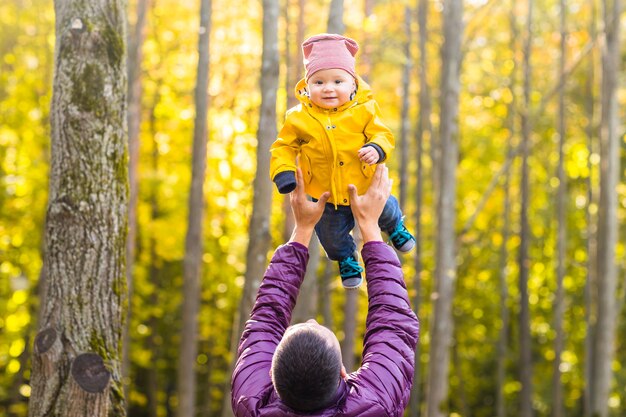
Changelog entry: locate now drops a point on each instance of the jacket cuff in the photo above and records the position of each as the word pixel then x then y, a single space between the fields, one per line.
pixel 381 153
pixel 285 181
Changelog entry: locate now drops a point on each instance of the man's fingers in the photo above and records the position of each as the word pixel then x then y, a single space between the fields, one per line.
pixel 353 192
pixel 378 175
pixel 324 198
pixel 299 178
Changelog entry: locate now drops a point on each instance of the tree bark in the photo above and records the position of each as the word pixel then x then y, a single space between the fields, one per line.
pixel 525 363
pixel 504 289
pixel 326 291
pixel 442 323
pixel 608 226
pixel 135 57
pixel 424 129
pixel 503 338
pixel 76 366
pixel 294 69
pixel 193 241
pixel 306 307
pixel 557 388
pixel 404 117
pixel 590 281
pixel 256 256
pixel 335 18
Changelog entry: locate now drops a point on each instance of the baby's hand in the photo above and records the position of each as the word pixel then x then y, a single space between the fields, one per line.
pixel 368 154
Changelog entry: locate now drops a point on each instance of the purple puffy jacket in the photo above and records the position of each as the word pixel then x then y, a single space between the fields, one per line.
pixel 381 387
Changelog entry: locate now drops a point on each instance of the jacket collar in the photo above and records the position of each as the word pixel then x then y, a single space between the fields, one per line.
pixel 363 94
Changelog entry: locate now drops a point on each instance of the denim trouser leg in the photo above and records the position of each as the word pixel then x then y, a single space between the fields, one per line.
pixel 390 216
pixel 333 231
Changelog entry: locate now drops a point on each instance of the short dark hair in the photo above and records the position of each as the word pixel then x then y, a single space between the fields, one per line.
pixel 305 370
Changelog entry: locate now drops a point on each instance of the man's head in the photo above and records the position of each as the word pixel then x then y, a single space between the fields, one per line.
pixel 306 367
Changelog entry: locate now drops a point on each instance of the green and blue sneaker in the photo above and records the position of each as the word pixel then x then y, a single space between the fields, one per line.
pixel 401 239
pixel 350 271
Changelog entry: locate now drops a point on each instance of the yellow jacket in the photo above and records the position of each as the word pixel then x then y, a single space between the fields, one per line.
pixel 327 142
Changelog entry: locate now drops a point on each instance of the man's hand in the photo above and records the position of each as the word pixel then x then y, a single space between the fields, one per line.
pixel 368 207
pixel 369 155
pixel 305 212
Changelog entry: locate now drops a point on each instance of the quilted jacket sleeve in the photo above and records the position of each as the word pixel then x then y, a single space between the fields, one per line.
pixel 271 315
pixel 391 334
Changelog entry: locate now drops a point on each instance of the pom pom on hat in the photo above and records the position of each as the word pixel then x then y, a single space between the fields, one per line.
pixel 327 51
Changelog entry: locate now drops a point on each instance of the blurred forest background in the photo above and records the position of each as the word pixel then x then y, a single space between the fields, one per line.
pixel 531 307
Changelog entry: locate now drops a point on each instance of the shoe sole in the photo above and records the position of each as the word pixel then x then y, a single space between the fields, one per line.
pixel 352 287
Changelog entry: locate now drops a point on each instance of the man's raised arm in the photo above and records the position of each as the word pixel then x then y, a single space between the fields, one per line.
pixel 274 304
pixel 392 329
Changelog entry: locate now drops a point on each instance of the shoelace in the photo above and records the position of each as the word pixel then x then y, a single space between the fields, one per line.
pixel 400 235
pixel 348 266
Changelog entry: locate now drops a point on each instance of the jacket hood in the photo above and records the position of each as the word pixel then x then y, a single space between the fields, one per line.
pixel 363 94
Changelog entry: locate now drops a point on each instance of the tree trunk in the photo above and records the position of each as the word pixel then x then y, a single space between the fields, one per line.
pixel 326 291
pixel 424 129
pixel 135 57
pixel 256 256
pixel 404 117
pixel 193 241
pixel 525 362
pixel 349 329
pixel 557 388
pixel 306 307
pixel 76 368
pixel 335 18
pixel 504 288
pixel 442 324
pixel 294 69
pixel 590 280
pixel 503 339
pixel 608 226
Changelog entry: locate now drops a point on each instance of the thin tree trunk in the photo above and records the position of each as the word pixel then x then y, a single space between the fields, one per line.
pixel 460 398
pixel 152 386
pixel 135 58
pixel 506 231
pixel 192 262
pixel 446 269
pixel 335 18
pixel 590 280
pixel 327 280
pixel 366 44
pixel 404 117
pixel 152 383
pixel 306 307
pixel 293 74
pixel 76 366
pixel 606 324
pixel 424 129
pixel 557 388
pixel 504 288
pixel 525 363
pixel 260 239
pixel 349 329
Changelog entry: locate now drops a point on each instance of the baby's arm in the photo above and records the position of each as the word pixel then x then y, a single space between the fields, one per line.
pixel 369 154
pixel 283 158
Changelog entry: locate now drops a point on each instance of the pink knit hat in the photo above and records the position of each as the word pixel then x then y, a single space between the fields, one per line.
pixel 326 51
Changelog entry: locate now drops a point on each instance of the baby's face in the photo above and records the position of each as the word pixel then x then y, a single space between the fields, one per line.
pixel 331 88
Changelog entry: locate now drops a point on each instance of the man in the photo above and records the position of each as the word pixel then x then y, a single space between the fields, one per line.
pixel 295 371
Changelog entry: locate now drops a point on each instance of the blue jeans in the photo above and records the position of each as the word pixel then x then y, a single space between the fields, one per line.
pixel 333 229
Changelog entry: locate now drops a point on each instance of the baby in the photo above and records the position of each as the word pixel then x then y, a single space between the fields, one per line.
pixel 337 132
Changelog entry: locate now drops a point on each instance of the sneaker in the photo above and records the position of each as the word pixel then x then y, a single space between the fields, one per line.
pixel 350 272
pixel 401 239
